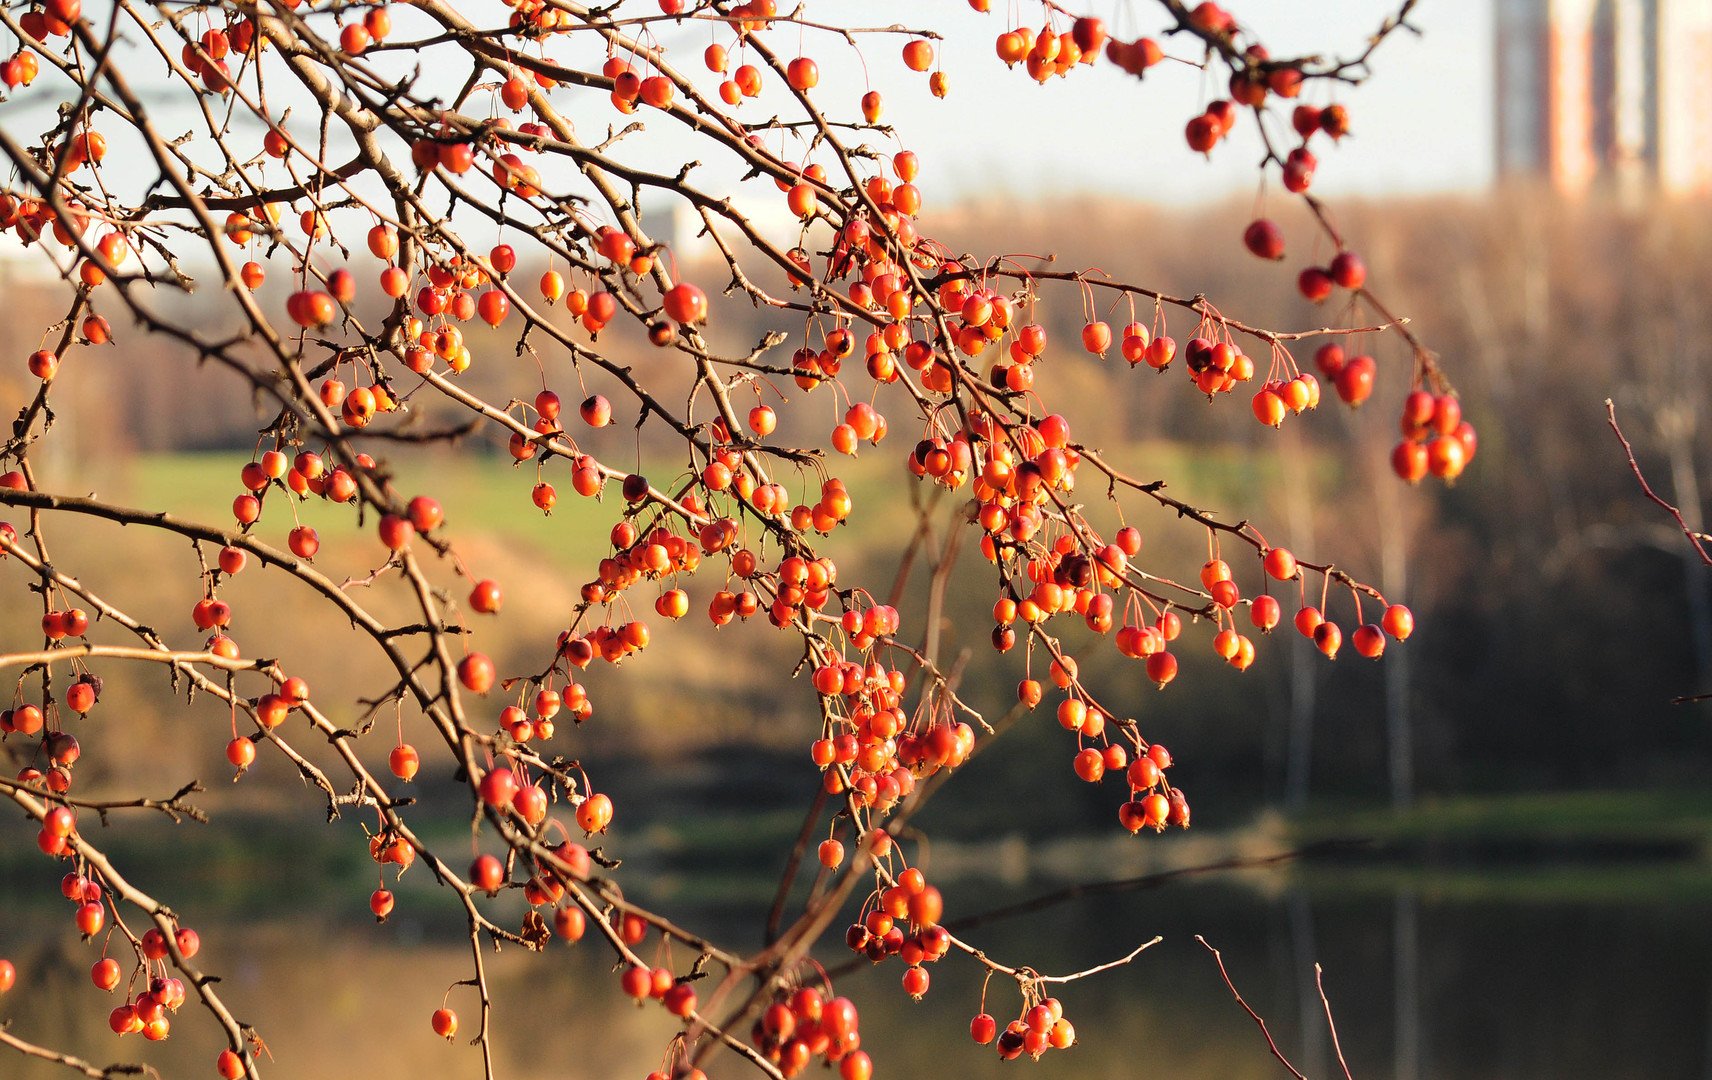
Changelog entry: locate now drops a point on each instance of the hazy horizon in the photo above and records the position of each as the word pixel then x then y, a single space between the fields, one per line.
pixel 1404 140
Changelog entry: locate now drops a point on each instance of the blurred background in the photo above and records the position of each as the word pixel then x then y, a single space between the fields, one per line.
pixel 1528 181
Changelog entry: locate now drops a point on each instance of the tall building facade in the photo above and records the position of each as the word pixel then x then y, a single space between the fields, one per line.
pixel 1613 94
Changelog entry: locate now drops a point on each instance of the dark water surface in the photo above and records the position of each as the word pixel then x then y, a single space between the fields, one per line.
pixel 1570 972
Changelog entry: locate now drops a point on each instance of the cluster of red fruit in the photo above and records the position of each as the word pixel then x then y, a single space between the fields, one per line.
pixel 150 1012
pixel 801 1026
pixel 1040 1028
pixel 929 323
pixel 657 555
pixel 1047 53
pixel 54 19
pixel 1152 803
pixel 545 887
pixel 303 475
pixel 903 921
pixel 1217 367
pixel 631 89
pixel 794 1030
pixel 25 719
pixel 1203 132
pixel 1280 398
pixel 450 292
pixel 19 69
pixel 375 26
pixel 210 58
pixel 508 790
pixel 32 219
pixel 798 586
pixel 874 751
pixel 1346 271
pixel 1426 448
pixel 51 764
pixel 357 406
pixel 522 727
pixel 1436 439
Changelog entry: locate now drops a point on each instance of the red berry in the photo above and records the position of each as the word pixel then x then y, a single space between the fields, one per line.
pixel 595 813
pixel 1334 121
pixel 1264 239
pixel 1409 460
pixel 486 597
pixel 1202 133
pixel 1264 612
pixel 1398 621
pixel 304 542
pixel 915 981
pixel 487 873
pixel 983 1028
pixel 856 1066
pixel 637 982
pixel 1354 380
pixel 684 303
pixel 445 1023
pixel 680 1000
pixel 1368 640
pixel 425 514
pixel 570 923
pixel 404 761
pixel 499 787
pixel 1314 284
pixel 105 974
pixel 1327 638
pixel 241 752
pixel 477 673
pixel 493 307
pixel 1348 270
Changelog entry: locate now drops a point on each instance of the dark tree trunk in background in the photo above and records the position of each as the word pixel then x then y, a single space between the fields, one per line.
pixel 1406 946
pixel 1299 747
pixel 1394 574
pixel 1310 1011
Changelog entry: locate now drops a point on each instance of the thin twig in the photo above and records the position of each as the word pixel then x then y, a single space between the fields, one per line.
pixel 1270 1044
pixel 1331 1024
pixel 1698 540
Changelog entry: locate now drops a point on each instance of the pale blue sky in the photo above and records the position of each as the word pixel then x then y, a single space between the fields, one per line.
pixel 1423 122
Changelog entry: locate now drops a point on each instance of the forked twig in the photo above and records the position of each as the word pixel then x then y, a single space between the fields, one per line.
pixel 1699 540
pixel 1256 1017
pixel 1337 1047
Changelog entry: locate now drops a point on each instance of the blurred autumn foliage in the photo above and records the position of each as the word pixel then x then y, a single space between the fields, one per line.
pixel 1559 611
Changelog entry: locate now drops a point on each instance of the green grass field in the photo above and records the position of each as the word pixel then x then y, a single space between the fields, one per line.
pixel 1558 818
pixel 482 495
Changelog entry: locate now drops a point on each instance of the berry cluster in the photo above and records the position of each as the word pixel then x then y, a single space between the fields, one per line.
pixel 1040 1028
pixel 802 1026
pixel 882 318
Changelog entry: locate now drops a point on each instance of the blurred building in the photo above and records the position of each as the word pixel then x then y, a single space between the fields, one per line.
pixel 1609 94
pixel 679 226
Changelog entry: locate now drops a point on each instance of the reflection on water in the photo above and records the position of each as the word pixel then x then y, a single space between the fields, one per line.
pixel 1426 983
